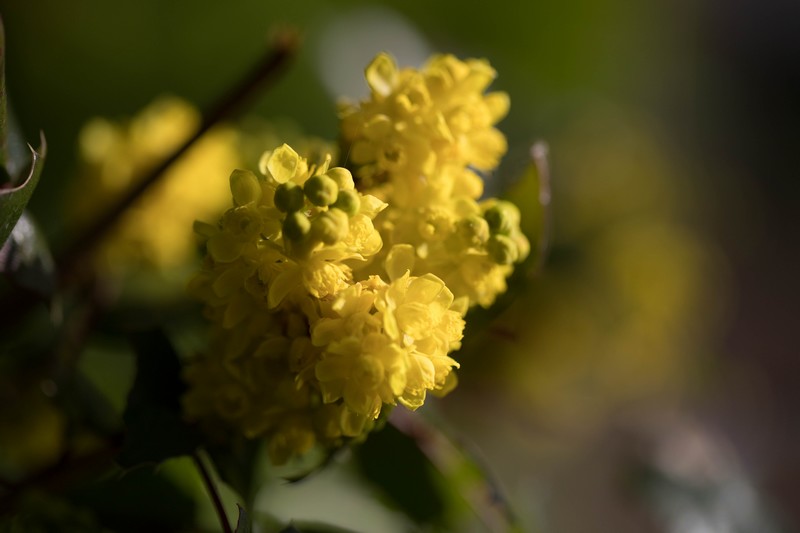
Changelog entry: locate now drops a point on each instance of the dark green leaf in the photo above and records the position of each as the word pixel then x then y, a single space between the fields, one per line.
pixel 243 524
pixel 85 404
pixel 13 200
pixel 26 259
pixel 533 195
pixel 237 465
pixel 466 479
pixel 155 428
pixel 395 464
pixel 144 499
pixel 3 118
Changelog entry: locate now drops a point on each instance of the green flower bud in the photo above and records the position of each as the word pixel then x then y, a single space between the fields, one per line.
pixel 245 187
pixel 331 226
pixel 474 230
pixel 342 177
pixel 348 201
pixel 289 197
pixel 296 226
pixel 502 218
pixel 502 250
pixel 321 190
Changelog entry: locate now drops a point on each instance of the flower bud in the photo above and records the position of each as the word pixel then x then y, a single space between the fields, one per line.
pixel 502 250
pixel 348 201
pixel 331 226
pixel 245 187
pixel 502 218
pixel 321 190
pixel 296 226
pixel 342 177
pixel 289 197
pixel 474 230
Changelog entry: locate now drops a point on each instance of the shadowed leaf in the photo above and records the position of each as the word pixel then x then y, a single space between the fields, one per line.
pixel 236 463
pixel 13 200
pixel 243 524
pixel 395 464
pixel 155 428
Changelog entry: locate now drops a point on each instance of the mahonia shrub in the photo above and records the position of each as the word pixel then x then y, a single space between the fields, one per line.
pixel 334 297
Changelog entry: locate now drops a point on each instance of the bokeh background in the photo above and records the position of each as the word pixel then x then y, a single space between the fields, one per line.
pixel 647 378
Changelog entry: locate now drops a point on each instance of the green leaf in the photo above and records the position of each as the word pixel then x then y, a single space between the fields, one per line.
pixel 155 428
pixel 3 116
pixel 533 195
pixel 243 524
pixel 465 482
pixel 14 196
pixel 237 464
pixel 14 199
pixel 26 259
pixel 394 463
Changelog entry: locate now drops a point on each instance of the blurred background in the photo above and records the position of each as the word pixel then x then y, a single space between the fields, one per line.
pixel 647 378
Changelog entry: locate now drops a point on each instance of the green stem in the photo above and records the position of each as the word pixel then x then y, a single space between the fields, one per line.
pixel 212 491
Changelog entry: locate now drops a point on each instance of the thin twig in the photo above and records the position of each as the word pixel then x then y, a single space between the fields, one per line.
pixel 212 491
pixel 265 72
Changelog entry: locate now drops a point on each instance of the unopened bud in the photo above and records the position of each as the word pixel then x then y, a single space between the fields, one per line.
pixel 502 250
pixel 502 218
pixel 245 187
pixel 331 226
pixel 474 230
pixel 289 197
pixel 348 201
pixel 296 226
pixel 342 177
pixel 321 190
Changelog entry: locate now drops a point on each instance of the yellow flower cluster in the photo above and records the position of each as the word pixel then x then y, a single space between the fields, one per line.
pixel 333 298
pixel 420 130
pixel 303 353
pixel 416 143
pixel 156 230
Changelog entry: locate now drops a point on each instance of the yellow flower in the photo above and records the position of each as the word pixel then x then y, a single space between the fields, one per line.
pixel 249 380
pixel 384 343
pixel 472 247
pixel 420 130
pixel 288 235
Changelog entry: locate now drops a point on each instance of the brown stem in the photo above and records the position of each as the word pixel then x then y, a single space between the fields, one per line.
pixel 212 491
pixel 265 72
pixel 70 264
